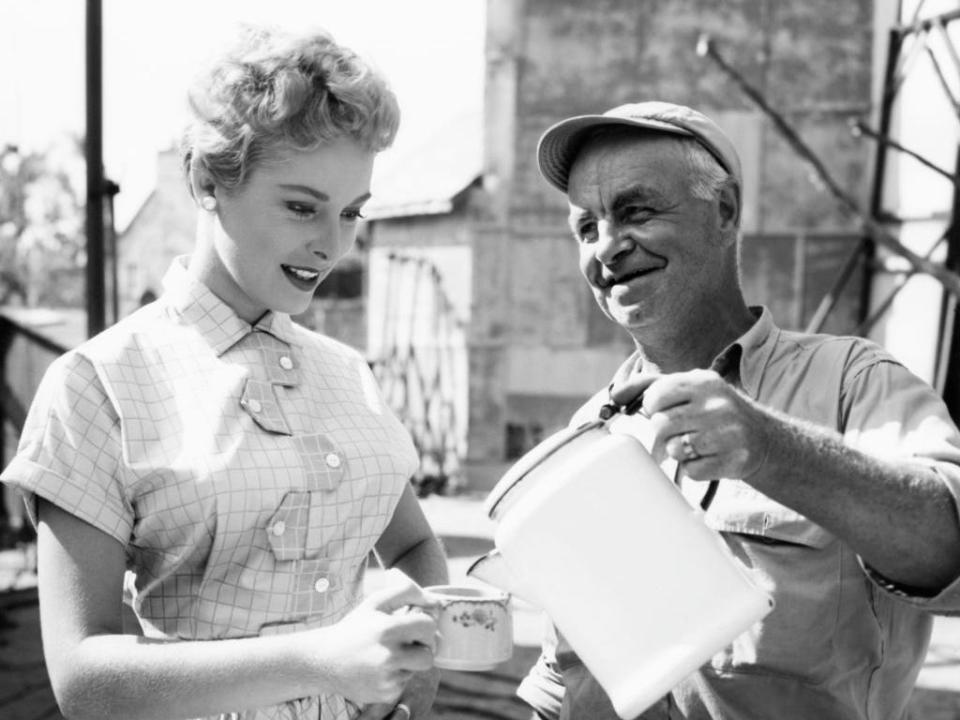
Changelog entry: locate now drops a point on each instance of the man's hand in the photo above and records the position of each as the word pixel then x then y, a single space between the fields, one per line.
pixel 709 426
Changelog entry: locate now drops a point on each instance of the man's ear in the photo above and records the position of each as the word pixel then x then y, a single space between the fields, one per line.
pixel 729 209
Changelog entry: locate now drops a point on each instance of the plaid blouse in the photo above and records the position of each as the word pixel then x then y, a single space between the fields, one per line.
pixel 247 470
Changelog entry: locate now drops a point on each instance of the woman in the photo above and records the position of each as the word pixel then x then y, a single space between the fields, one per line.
pixel 239 466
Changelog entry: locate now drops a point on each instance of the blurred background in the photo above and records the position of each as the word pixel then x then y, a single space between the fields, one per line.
pixel 463 290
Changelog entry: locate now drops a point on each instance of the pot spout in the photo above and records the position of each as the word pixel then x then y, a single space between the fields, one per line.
pixel 493 570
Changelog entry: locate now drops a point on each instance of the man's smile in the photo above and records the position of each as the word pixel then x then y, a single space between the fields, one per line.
pixel 608 281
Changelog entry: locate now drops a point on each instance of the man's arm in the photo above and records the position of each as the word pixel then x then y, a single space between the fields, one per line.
pixel 898 515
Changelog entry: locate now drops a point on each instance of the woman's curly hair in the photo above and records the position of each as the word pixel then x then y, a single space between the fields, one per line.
pixel 279 91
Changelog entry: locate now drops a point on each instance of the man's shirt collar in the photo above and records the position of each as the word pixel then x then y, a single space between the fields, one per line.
pixel 742 362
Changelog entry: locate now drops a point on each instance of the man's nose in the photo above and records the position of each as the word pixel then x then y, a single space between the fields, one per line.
pixel 612 242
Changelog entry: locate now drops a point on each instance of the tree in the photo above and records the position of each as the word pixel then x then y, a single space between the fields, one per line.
pixel 41 226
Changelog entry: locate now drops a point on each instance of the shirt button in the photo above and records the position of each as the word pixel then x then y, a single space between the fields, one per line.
pixel 321 585
pixel 279 528
pixel 254 405
pixel 332 460
pixel 286 363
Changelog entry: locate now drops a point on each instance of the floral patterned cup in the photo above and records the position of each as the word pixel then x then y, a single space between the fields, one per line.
pixel 475 626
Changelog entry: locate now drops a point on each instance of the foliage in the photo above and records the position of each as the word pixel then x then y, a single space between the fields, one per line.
pixel 41 226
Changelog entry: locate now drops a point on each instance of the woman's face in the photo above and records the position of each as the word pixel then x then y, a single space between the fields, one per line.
pixel 271 241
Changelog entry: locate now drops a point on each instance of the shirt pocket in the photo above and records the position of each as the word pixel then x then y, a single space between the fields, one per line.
pixel 797 563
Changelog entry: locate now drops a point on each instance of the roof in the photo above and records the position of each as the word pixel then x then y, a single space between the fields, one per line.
pixel 424 178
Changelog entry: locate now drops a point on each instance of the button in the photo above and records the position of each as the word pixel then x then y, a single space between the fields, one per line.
pixel 279 528
pixel 286 363
pixel 254 405
pixel 332 460
pixel 321 585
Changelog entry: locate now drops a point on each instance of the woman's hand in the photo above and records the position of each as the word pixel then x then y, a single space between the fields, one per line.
pixel 372 653
pixel 415 702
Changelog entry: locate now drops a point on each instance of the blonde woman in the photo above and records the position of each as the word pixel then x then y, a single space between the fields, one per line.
pixel 239 466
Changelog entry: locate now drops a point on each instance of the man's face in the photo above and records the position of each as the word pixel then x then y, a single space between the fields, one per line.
pixel 652 253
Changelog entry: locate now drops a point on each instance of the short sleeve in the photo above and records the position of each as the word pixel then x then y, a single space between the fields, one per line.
pixel 887 411
pixel 70 449
pixel 892 413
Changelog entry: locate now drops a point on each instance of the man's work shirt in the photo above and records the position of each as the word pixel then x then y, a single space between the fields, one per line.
pixel 247 470
pixel 842 642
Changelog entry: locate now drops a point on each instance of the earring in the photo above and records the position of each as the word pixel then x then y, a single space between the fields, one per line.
pixel 208 203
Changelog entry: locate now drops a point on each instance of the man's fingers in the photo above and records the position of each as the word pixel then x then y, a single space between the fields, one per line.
pixel 677 389
pixel 626 391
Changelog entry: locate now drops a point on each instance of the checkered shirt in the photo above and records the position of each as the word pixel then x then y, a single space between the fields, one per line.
pixel 247 470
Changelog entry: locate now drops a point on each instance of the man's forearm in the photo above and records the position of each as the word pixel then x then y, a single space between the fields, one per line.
pixel 898 515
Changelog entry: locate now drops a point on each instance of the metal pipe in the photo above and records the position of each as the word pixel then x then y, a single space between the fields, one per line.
pixel 860 128
pixel 95 295
pixel 949 280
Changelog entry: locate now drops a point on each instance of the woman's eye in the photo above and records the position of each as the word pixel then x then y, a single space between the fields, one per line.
pixel 302 210
pixel 352 214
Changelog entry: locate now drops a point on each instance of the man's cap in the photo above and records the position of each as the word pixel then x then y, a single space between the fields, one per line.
pixel 559 145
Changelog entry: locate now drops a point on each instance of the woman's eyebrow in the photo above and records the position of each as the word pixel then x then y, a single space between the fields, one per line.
pixel 305 189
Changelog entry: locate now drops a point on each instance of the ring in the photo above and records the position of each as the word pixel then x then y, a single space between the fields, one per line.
pixel 405 708
pixel 689 451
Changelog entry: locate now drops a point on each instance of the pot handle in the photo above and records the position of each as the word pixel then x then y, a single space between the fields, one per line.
pixel 612 407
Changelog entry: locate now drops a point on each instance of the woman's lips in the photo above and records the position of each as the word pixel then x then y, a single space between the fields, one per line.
pixel 303 278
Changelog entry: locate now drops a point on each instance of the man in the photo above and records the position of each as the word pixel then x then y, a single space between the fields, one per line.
pixel 839 470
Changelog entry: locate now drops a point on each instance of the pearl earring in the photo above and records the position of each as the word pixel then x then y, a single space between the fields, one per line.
pixel 208 203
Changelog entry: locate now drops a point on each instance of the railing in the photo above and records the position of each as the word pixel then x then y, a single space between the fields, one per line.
pixel 29 341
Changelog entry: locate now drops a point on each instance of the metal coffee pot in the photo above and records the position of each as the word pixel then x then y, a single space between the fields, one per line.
pixel 590 529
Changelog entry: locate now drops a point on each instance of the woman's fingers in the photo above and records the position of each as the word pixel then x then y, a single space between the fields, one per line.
pixel 400 592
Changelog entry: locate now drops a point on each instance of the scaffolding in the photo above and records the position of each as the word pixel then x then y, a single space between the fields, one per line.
pixel 941 261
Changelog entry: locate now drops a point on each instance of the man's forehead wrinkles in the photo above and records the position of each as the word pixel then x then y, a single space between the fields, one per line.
pixel 602 198
pixel 637 191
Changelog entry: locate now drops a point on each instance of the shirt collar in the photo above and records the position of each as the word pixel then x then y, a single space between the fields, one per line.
pixel 741 361
pixel 214 319
pixel 754 347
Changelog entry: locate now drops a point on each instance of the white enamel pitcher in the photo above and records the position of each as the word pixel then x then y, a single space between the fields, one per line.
pixel 590 529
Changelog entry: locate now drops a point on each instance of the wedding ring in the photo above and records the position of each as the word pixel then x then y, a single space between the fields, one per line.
pixel 401 707
pixel 689 451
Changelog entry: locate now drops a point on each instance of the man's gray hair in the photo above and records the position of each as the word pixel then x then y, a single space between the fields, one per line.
pixel 706 176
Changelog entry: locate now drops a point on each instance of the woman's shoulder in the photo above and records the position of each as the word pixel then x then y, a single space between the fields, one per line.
pixel 136 338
